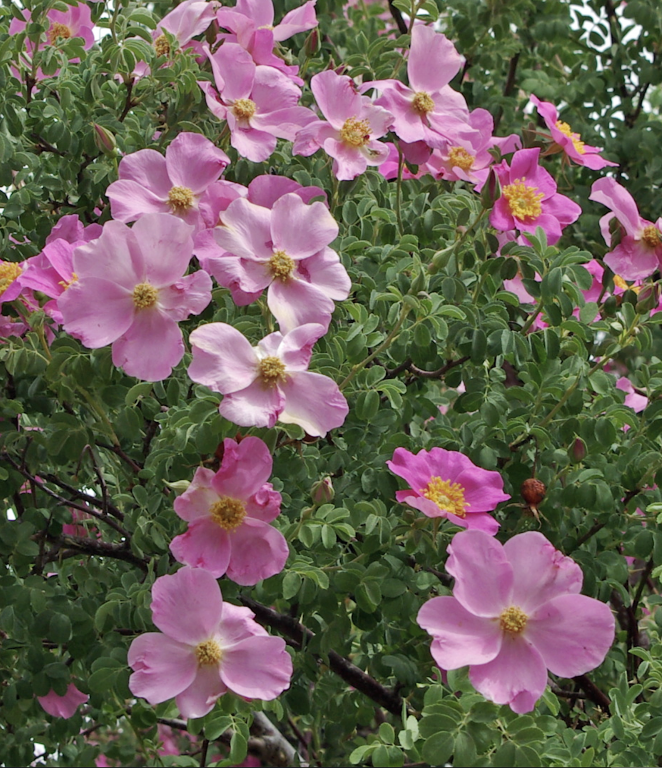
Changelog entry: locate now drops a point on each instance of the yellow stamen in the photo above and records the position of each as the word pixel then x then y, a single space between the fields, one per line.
pixel 355 132
pixel 180 199
pixel 228 513
pixel 448 497
pixel 422 103
pixel 461 158
pixel 244 109
pixel 58 30
pixel 513 620
pixel 281 266
pixel 575 137
pixel 651 236
pixel 271 370
pixel 68 283
pixel 9 271
pixel 145 296
pixel 208 653
pixel 523 201
pixel 162 46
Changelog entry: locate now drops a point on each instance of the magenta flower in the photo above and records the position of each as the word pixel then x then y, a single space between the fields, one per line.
pixel 208 647
pixel 448 484
pixel 571 143
pixel 637 251
pixel 151 183
pixel 259 103
pixel 229 514
pixel 132 291
pixel 529 198
pixel 267 383
pixel 63 706
pixel 11 283
pixel 516 612
pixel 632 398
pixel 353 127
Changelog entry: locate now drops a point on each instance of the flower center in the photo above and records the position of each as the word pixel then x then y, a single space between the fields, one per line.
pixel 461 158
pixel 68 283
pixel 208 653
pixel 523 201
pixel 651 236
pixel 145 296
pixel 281 266
pixel 422 103
pixel 58 30
pixel 228 513
pixel 9 271
pixel 355 132
pixel 513 620
pixel 244 108
pixel 180 199
pixel 575 137
pixel 162 46
pixel 271 370
pixel 448 497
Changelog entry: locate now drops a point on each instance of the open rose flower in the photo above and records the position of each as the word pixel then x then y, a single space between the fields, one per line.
pixel 515 612
pixel 207 647
pixel 267 383
pixel 448 484
pixel 63 706
pixel 229 512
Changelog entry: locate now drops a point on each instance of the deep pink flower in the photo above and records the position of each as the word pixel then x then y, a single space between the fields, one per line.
pixel 516 612
pixel 63 706
pixel 132 291
pixel 229 514
pixel 529 198
pixel 448 484
pixel 267 383
pixel 353 127
pixel 571 143
pixel 51 272
pixel 10 279
pixel 208 647
pixel 259 103
pixel 151 183
pixel 637 251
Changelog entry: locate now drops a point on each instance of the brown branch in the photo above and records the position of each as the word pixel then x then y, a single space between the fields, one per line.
pixel 339 665
pixel 93 500
pixel 73 546
pixel 593 692
pixel 397 18
pixel 129 103
pixel 117 450
pixel 420 372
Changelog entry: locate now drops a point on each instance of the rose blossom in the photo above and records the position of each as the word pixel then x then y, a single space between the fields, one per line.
pixel 208 647
pixel 229 514
pixel 131 292
pixel 515 612
pixel 448 484
pixel 267 383
pixel 63 706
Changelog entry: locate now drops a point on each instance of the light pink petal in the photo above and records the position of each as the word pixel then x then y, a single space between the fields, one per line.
pixel 295 302
pixel 63 706
pixel 197 499
pixel 261 12
pixel 258 551
pixel 148 168
pixel 479 521
pixel 97 311
pixel 610 193
pixel 325 271
pixel 284 123
pixel 236 69
pixel 298 20
pixel 151 347
pixel 309 139
pixel 540 571
pixel 166 243
pixel 459 637
pixel 69 228
pixel 129 200
pixel 427 507
pixel 246 230
pixel 299 229
pixel 266 189
pixel 516 677
pixel 265 504
pixel 194 162
pixel 273 91
pixel 593 159
pixel 203 545
pixel 256 146
pixel 223 359
pixel 162 667
pixel 632 260
pixel 189 19
pixel 187 296
pixel 336 96
pixel 257 668
pixel 433 60
pixel 187 606
pixel 572 633
pixel 350 162
pixel 295 348
pixel 201 695
pixel 314 402
pixel 483 574
pixel 246 278
pixel 116 256
pixel 214 103
pixel 245 468
pixel 255 406
pixel 238 625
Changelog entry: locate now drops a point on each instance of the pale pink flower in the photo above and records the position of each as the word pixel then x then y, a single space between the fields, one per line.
pixel 151 183
pixel 516 612
pixel 72 229
pixel 63 706
pixel 267 383
pixel 633 399
pixel 529 198
pixel 284 249
pixel 636 246
pixel 188 20
pixel 208 647
pixel 571 143
pixel 353 127
pixel 51 272
pixel 260 104
pixel 10 279
pixel 448 484
pixel 132 291
pixel 76 21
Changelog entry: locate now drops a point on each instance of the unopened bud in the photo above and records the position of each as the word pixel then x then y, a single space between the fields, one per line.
pixel 577 450
pixel 533 491
pixel 322 491
pixel 649 298
pixel 104 139
pixel 439 260
pixel 491 190
pixel 312 44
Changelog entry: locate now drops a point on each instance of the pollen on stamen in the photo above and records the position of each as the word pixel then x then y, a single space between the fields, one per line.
pixel 68 283
pixel 523 201
pixel 208 653
pixel 513 620
pixel 58 30
pixel 228 513
pixel 449 497
pixel 574 137
pixel 145 296
pixel 271 370
pixel 162 46
pixel 180 199
pixel 244 109
pixel 651 236
pixel 422 103
pixel 355 132
pixel 459 157
pixel 281 266
pixel 9 271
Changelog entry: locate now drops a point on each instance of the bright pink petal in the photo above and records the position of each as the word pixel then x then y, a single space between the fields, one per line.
pixel 258 551
pixel 632 260
pixel 314 402
pixel 479 521
pixel 413 468
pixel 265 504
pixel 63 706
pixel 433 60
pixel 257 668
pixel 299 229
pixel 151 347
pixel 245 468
pixel 162 667
pixel 223 359
pixel 483 488
pixel 194 162
pixel 203 545
pixel 200 696
pixel 610 193
pixel 255 406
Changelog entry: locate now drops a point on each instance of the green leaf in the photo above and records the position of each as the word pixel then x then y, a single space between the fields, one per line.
pixel 438 749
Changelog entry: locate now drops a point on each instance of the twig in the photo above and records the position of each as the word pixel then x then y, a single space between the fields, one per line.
pixel 77 545
pixel 203 752
pixel 593 692
pixel 397 18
